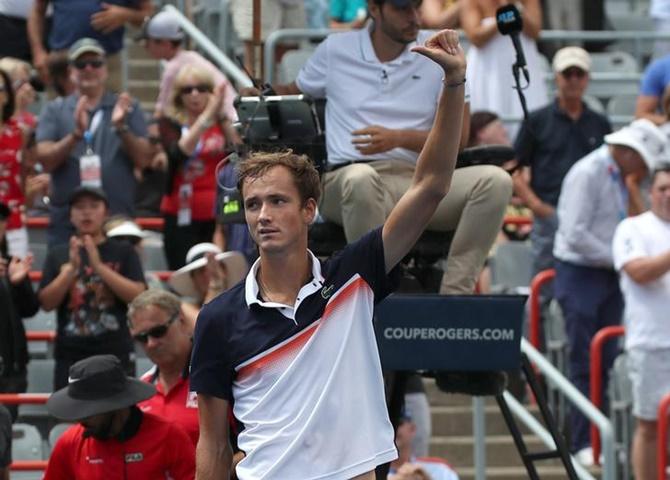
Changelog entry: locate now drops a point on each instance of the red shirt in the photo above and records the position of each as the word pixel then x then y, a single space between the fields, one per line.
pixel 199 171
pixel 158 450
pixel 178 405
pixel 11 193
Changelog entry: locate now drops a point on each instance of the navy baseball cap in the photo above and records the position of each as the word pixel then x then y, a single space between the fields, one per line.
pixel 85 191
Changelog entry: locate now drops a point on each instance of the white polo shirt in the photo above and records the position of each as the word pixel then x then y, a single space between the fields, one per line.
pixel 647 320
pixel 362 91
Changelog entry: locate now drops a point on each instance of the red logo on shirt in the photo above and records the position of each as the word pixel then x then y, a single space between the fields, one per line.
pixel 192 400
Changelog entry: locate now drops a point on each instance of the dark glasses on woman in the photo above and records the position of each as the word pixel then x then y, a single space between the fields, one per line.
pixel 201 88
pixel 158 331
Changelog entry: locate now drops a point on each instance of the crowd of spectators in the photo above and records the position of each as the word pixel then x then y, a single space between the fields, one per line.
pixel 80 161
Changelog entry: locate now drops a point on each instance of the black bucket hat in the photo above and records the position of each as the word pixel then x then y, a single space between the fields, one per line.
pixel 87 191
pixel 97 385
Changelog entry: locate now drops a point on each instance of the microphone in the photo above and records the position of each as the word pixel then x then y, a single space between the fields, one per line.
pixel 510 23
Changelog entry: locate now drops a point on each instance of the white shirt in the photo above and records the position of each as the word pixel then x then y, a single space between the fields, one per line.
pixel 647 317
pixel 659 9
pixel 593 201
pixel 362 91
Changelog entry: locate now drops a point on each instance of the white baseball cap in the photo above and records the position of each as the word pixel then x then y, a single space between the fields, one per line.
pixel 568 57
pixel 163 25
pixel 645 138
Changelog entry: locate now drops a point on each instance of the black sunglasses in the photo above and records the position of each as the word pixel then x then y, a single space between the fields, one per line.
pixel 573 72
pixel 82 64
pixel 158 331
pixel 201 88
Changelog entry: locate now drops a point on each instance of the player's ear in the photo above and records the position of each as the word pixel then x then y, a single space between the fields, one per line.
pixel 309 210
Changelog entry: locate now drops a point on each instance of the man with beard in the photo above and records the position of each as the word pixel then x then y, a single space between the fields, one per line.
pixel 113 438
pixel 381 104
pixel 90 281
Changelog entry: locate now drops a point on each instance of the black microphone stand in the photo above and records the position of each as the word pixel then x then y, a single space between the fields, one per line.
pixel 516 68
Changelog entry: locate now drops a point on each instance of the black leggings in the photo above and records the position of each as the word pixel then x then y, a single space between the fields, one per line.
pixel 177 240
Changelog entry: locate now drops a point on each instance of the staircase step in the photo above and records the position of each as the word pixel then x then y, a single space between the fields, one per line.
pixel 143 69
pixel 500 450
pixel 144 90
pixel 548 472
pixel 457 420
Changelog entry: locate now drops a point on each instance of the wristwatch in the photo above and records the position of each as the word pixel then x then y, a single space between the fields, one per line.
pixel 122 129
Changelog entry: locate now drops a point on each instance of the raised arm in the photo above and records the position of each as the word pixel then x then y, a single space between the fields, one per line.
pixel 437 160
pixel 213 455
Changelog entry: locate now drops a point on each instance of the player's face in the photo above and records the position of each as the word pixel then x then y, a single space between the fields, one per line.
pixel 398 24
pixel 660 195
pixel 169 342
pixel 277 217
pixel 88 215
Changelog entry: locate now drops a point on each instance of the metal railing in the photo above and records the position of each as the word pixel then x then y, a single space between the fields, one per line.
pixel 598 342
pixel 662 438
pixel 229 67
pixel 535 314
pixel 581 403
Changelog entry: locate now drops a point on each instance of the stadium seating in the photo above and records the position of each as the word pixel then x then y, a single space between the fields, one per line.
pixel 26 442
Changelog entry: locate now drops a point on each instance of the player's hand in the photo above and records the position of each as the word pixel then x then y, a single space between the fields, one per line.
pixel 444 49
pixel 18 269
pixel 124 104
pixel 374 139
pixel 109 18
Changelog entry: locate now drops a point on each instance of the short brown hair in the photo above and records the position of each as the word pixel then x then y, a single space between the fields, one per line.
pixel 302 170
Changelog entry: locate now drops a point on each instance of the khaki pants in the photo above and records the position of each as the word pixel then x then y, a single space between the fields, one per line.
pixel 360 196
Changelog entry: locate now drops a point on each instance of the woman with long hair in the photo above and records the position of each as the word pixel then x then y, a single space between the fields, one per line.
pixel 199 146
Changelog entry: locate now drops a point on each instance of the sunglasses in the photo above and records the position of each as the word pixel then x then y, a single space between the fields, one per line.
pixel 573 72
pixel 201 88
pixel 158 331
pixel 82 64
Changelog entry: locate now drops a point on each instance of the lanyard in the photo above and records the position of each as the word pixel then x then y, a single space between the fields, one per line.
pixel 615 175
pixel 92 128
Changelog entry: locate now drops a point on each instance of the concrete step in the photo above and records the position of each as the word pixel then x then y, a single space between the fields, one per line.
pixel 436 397
pixel 500 450
pixel 457 420
pixel 143 69
pixel 552 472
pixel 144 90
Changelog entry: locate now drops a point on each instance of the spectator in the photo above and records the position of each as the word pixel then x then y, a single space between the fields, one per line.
pixel 12 177
pixel 70 22
pixel 163 41
pixel 275 15
pixel 157 324
pixel 371 165
pixel 655 79
pixel 188 205
pixel 18 301
pixel 5 442
pixel 20 73
pixel 58 66
pixel 594 199
pixel 14 29
pixel 491 56
pixel 436 14
pixel 348 14
pixel 90 281
pixel 282 345
pixel 642 256
pixel 549 143
pixel 115 132
pixel 316 12
pixel 407 466
pixel 113 438
pixel 126 230
pixel 659 11
pixel 208 273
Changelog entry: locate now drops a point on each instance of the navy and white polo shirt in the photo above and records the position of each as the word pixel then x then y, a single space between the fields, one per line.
pixel 305 380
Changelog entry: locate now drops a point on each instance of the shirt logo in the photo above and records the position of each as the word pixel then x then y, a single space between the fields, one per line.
pixel 134 457
pixel 327 292
pixel 192 400
pixel 94 461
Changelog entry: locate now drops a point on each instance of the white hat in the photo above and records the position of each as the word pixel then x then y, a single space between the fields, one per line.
pixel 163 25
pixel 235 263
pixel 568 57
pixel 645 138
pixel 127 228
